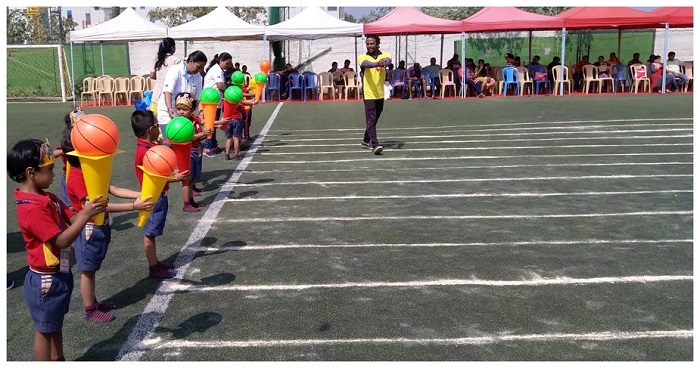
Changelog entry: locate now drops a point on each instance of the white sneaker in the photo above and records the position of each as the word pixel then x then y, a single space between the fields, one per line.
pixel 377 150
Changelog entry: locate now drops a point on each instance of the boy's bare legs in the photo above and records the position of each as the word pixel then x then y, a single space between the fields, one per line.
pixel 229 140
pixel 87 288
pixel 48 346
pixel 236 146
pixel 93 311
pixel 149 247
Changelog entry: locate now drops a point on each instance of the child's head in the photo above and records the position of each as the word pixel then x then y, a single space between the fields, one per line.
pixel 31 159
pixel 67 146
pixel 144 125
pixel 72 117
pixel 184 104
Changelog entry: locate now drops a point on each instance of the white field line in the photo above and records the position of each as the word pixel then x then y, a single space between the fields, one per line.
pixel 437 245
pixel 504 148
pixel 487 125
pixel 437 283
pixel 457 195
pixel 519 134
pixel 154 311
pixel 472 167
pixel 156 344
pixel 373 158
pixel 460 217
pixel 534 178
pixel 424 142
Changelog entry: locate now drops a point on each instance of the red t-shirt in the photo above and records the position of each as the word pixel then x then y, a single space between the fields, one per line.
pixel 198 128
pixel 41 217
pixel 77 191
pixel 233 111
pixel 142 146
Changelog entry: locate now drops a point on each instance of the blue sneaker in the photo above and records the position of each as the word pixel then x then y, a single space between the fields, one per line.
pixel 209 153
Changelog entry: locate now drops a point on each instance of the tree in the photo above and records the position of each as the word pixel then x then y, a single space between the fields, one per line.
pixel 376 14
pixel 34 29
pixel 350 18
pixel 452 13
pixel 175 16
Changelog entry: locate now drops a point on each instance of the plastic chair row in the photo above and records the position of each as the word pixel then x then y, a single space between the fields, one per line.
pixel 106 87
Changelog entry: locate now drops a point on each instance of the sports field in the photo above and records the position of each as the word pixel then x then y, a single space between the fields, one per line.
pixel 495 229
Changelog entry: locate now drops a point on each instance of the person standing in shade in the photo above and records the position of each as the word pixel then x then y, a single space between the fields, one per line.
pixel 373 72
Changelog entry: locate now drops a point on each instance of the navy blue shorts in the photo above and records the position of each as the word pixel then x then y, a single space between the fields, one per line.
pixel 234 128
pixel 91 246
pixel 156 220
pixel 48 299
pixel 195 166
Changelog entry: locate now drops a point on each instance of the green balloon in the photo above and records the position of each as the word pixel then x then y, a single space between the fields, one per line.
pixel 179 130
pixel 210 95
pixel 233 94
pixel 261 78
pixel 238 78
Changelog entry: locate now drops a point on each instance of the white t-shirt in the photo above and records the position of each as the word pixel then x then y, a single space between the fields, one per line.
pixel 177 80
pixel 214 75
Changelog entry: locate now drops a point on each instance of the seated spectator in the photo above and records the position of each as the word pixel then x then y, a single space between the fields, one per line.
pixel 433 69
pixel 510 59
pixel 397 79
pixel 613 60
pixel 284 78
pixel 414 77
pixel 555 61
pixel 534 63
pixel 334 67
pixel 346 67
pixel 635 59
pixel 601 61
pixel 673 65
pixel 483 74
pixel 402 65
pixel 516 61
pixel 656 73
pixel 471 80
pixel 337 74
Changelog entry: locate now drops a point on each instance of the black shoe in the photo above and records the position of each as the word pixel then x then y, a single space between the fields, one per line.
pixel 10 284
pixel 377 150
pixel 365 145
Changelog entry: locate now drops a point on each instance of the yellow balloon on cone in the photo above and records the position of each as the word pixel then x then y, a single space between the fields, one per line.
pixel 152 185
pixel 97 171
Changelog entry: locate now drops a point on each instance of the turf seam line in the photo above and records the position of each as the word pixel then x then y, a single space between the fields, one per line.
pixel 454 195
pixel 442 283
pixel 435 245
pixel 460 217
pixel 476 340
pixel 478 180
pixel 149 320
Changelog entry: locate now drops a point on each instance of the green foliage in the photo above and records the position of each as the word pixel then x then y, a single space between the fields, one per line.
pixel 23 29
pixel 376 14
pixel 452 13
pixel 17 27
pixel 175 16
pixel 350 18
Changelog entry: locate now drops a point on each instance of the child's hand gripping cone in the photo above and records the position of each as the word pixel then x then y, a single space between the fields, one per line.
pixel 158 165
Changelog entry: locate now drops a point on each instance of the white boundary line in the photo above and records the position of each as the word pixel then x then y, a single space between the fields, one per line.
pixel 478 340
pixel 435 245
pixel 434 158
pixel 476 167
pixel 461 217
pixel 486 125
pixel 456 195
pixel 503 148
pixel 154 311
pixel 438 283
pixel 520 134
pixel 423 142
pixel 534 178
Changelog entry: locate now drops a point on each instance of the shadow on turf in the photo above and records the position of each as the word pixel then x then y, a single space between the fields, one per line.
pixel 393 144
pixel 108 349
pixel 15 242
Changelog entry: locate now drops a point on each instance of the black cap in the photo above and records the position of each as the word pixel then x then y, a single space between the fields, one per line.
pixel 510 56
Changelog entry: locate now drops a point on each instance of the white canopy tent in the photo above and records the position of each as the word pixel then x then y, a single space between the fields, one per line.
pixel 127 26
pixel 312 23
pixel 218 25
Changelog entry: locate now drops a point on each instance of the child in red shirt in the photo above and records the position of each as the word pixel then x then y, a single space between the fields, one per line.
pixel 234 115
pixel 147 130
pixel 49 228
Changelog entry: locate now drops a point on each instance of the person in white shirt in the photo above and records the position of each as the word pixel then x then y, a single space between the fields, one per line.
pixel 673 65
pixel 181 77
pixel 215 78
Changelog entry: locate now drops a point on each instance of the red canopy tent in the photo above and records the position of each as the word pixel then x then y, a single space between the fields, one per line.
pixel 411 21
pixel 601 17
pixel 681 17
pixel 501 18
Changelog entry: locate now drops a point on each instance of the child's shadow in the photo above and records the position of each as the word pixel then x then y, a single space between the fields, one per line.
pixel 198 323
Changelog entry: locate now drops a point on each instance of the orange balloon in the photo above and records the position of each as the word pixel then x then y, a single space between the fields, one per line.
pixel 160 160
pixel 95 135
pixel 265 66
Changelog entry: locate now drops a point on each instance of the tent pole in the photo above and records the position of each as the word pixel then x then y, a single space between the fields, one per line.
pixel 663 82
pixel 619 42
pixel 406 51
pixel 442 47
pixel 462 89
pixel 529 48
pixel 102 58
pixel 396 48
pixel 563 53
pixel 356 67
pixel 72 71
